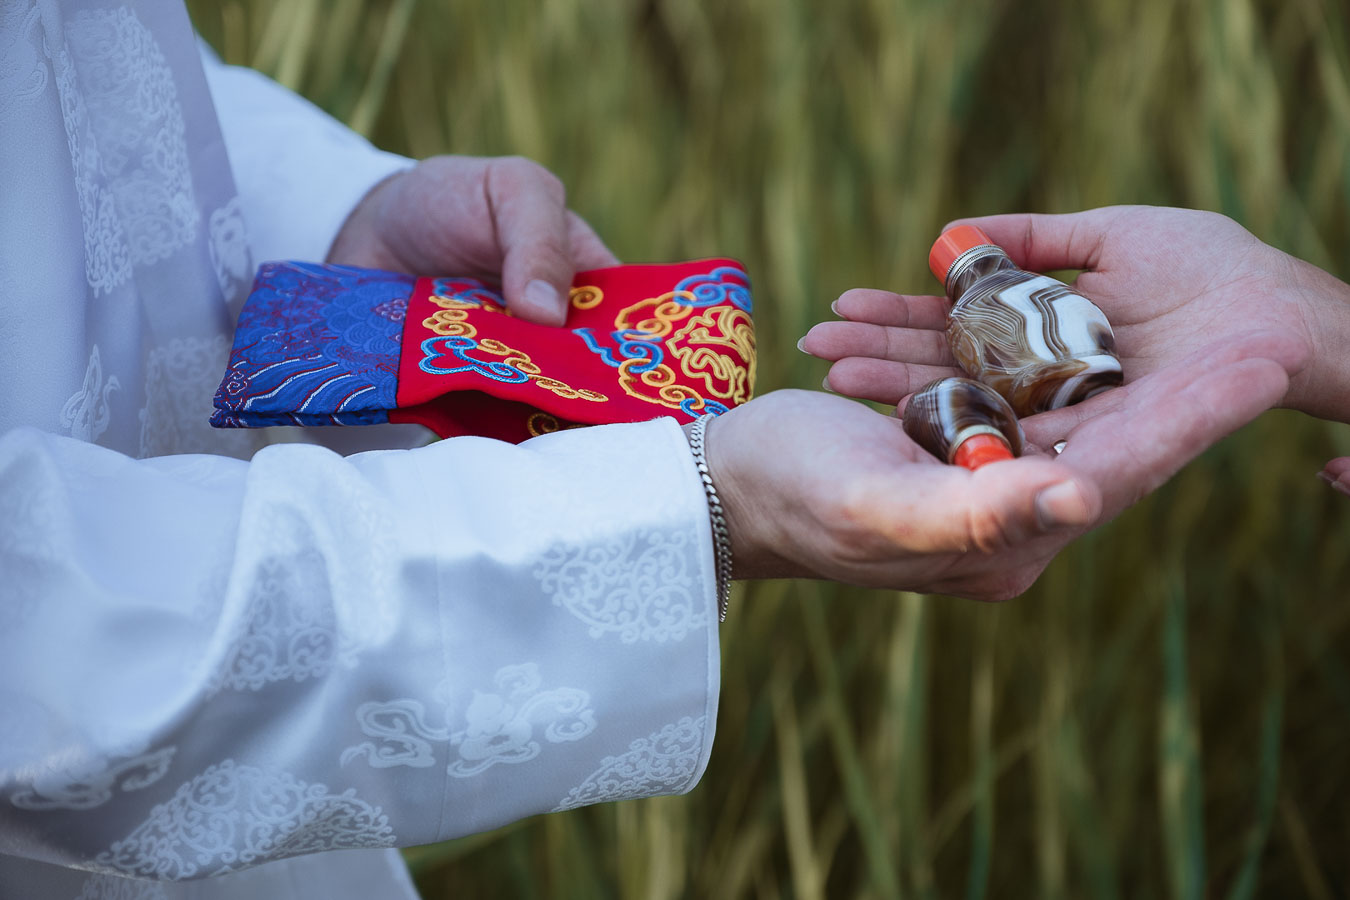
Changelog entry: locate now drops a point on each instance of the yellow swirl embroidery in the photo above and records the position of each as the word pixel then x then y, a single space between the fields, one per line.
pixel 452 317
pixel 724 378
pixel 520 360
pixel 450 322
pixel 586 297
pixel 542 423
pixel 656 316
pixel 715 348
pixel 455 303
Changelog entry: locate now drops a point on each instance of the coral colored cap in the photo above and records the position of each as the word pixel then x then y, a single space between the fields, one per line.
pixel 951 244
pixel 980 450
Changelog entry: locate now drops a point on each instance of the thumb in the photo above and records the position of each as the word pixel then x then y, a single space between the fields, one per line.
pixel 1001 507
pixel 529 210
pixel 1012 504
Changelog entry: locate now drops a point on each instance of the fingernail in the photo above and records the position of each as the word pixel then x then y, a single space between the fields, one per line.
pixel 1060 506
pixel 1334 483
pixel 542 297
pixel 800 341
pixel 825 384
pixel 834 307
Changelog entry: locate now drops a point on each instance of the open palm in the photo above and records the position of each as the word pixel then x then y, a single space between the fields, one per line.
pixel 1171 281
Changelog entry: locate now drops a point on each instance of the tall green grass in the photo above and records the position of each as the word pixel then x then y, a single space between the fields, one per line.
pixel 1167 714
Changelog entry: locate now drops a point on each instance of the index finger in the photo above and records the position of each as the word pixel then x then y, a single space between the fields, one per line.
pixel 894 310
pixel 588 251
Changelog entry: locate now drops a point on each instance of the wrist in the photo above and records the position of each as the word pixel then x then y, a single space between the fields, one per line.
pixel 696 434
pixel 754 530
pixel 1322 389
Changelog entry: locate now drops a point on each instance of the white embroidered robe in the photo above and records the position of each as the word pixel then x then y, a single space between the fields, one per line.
pixel 266 667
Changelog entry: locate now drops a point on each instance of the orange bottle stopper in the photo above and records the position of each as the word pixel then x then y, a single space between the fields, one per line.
pixel 980 450
pixel 951 244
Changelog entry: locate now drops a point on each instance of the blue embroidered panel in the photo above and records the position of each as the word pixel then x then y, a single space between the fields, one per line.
pixel 315 345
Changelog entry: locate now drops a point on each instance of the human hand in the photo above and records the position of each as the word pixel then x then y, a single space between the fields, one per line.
pixel 502 218
pixel 1170 281
pixel 843 493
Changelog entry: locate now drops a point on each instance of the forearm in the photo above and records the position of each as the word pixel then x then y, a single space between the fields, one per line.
pixel 393 648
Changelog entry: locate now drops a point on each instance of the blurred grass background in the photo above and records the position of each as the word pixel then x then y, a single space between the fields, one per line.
pixel 1167 714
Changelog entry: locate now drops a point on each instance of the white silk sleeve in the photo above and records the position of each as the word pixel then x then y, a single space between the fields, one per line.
pixel 298 170
pixel 206 664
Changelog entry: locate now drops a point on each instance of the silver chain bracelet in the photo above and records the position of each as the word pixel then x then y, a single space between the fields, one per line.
pixel 721 537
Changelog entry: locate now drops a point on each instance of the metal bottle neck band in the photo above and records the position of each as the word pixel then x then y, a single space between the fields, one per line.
pixel 967 259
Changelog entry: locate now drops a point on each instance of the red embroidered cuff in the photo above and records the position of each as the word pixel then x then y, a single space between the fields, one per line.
pixel 325 345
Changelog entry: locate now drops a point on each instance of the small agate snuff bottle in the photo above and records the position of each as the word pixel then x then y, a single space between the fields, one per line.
pixel 963 422
pixel 1035 340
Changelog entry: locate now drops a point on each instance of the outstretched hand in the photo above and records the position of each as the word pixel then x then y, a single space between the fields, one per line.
pixel 1171 281
pixel 502 219
pixel 819 486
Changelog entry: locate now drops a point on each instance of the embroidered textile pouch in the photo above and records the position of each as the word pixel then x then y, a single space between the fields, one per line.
pixel 335 345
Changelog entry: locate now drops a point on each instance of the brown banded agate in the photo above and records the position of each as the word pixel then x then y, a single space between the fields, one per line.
pixel 1035 340
pixel 963 422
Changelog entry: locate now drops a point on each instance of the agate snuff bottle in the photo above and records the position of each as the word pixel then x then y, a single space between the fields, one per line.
pixel 1035 340
pixel 963 422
